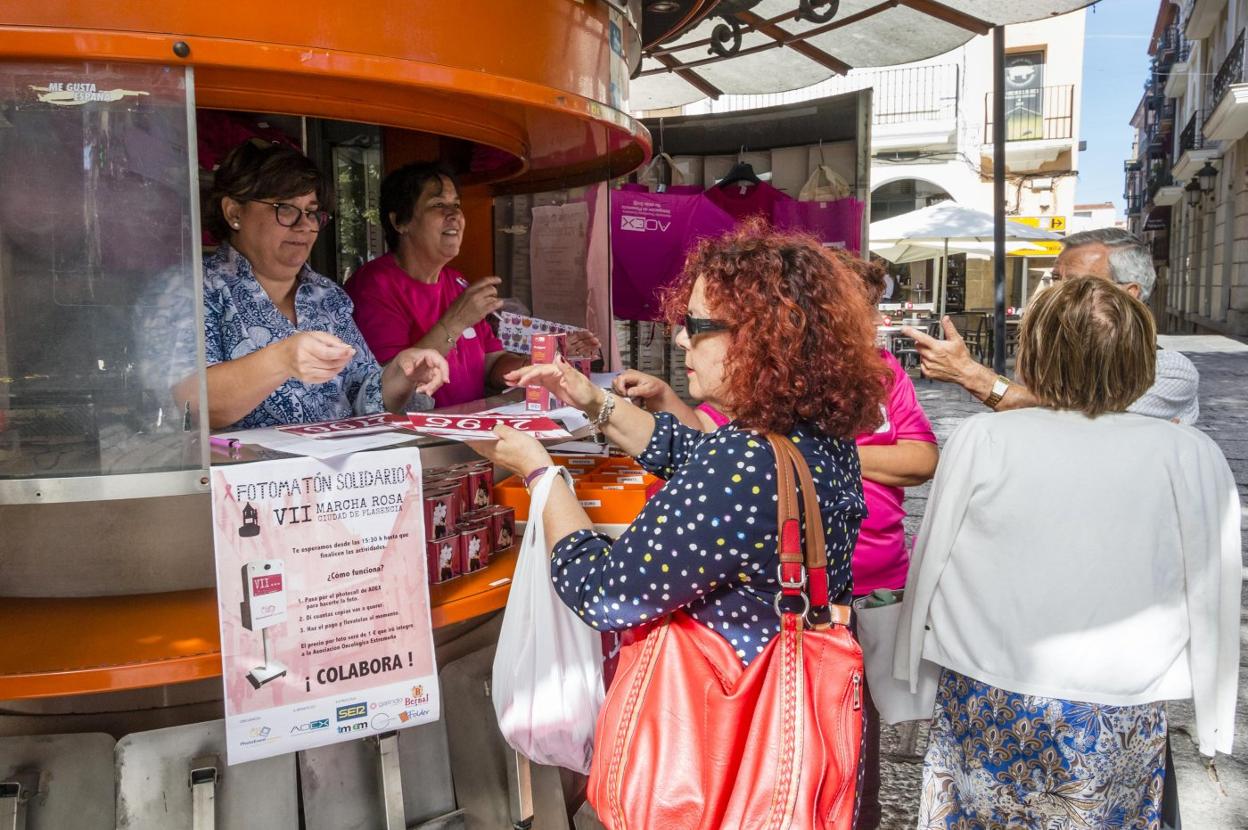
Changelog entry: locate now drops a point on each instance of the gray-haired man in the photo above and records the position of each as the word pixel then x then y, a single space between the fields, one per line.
pixel 1107 253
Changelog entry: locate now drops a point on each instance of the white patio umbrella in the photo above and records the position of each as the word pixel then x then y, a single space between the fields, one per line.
pixel 949 227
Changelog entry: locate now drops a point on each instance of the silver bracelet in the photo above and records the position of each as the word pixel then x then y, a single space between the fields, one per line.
pixel 604 411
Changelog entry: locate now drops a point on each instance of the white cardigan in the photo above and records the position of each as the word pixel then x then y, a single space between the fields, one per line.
pixel 1082 559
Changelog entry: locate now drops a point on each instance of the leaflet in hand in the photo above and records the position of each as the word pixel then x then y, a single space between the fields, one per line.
pixel 481 428
pixel 360 425
pixel 516 331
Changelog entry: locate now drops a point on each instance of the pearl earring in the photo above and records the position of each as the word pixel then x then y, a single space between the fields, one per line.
pixel 235 224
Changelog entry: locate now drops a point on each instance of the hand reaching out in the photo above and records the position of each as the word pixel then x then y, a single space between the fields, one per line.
pixel 315 356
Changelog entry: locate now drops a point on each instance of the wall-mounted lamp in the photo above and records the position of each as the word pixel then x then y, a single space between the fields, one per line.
pixel 1193 193
pixel 1208 176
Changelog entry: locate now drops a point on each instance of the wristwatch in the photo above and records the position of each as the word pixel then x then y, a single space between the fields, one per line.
pixel 999 387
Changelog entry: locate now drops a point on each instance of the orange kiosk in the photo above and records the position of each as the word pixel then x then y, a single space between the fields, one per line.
pixel 109 676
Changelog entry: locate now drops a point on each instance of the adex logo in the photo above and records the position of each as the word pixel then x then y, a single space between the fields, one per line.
pixel 643 224
pixel 352 711
pixel 310 726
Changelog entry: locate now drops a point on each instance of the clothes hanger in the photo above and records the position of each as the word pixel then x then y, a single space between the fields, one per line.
pixel 741 172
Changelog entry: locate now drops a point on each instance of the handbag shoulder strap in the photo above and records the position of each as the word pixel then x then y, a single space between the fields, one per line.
pixel 801 569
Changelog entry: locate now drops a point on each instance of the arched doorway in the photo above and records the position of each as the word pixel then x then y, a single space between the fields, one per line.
pixel 912 282
pixel 904 195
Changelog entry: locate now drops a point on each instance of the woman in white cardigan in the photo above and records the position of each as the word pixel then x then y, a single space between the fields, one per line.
pixel 1077 566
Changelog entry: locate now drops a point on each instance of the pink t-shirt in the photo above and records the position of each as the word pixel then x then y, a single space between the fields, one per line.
pixel 394 311
pixel 742 201
pixel 881 558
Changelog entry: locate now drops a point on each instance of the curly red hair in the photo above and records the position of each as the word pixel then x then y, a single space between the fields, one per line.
pixel 803 331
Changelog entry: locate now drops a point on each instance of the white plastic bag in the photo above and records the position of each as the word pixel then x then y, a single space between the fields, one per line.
pixel 877 634
pixel 547 684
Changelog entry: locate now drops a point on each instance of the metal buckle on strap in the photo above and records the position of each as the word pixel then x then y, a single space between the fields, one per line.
pixel 790 586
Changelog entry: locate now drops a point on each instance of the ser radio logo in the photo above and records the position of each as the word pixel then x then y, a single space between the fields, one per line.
pixel 352 711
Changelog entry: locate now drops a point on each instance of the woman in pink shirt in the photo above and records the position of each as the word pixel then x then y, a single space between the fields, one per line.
pixel 900 453
pixel 409 297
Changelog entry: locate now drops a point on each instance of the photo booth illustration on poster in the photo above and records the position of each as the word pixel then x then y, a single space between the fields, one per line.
pixel 650 235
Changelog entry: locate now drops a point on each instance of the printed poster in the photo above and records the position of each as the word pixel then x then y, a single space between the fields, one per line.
pixel 323 596
pixel 558 244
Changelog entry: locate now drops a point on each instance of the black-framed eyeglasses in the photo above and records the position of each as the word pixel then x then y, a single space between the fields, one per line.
pixel 702 325
pixel 288 215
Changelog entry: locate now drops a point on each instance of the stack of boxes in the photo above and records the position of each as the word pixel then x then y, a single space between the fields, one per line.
pixel 462 524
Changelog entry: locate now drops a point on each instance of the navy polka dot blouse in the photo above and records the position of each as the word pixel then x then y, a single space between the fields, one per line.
pixel 706 542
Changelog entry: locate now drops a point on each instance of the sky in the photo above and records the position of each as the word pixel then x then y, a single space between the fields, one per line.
pixel 1115 65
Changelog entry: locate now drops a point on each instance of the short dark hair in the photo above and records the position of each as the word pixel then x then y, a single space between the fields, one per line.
pixel 402 188
pixel 259 169
pixel 1087 345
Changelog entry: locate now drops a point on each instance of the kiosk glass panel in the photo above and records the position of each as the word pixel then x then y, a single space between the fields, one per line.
pixel 100 334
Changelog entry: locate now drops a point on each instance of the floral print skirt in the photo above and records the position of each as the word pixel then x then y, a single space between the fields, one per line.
pixel 998 759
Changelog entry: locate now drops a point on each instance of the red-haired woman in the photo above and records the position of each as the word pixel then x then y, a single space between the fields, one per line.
pixel 900 453
pixel 778 336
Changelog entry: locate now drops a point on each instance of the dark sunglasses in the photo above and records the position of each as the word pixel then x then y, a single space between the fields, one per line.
pixel 702 325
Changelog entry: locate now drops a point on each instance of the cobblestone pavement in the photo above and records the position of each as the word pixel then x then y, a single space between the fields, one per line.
pixel 1213 795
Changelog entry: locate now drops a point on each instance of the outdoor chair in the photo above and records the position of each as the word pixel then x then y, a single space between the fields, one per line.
pixel 973 328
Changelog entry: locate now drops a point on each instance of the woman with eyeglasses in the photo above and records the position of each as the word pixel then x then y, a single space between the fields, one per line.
pixel 410 296
pixel 280 342
pixel 778 336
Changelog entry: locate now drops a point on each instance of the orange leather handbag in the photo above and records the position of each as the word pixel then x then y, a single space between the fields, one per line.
pixel 689 738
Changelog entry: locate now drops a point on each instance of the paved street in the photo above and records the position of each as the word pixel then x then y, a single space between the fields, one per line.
pixel 1213 794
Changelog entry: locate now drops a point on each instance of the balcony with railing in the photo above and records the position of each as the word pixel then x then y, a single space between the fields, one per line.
pixel 1193 135
pixel 1039 126
pixel 1172 47
pixel 1159 177
pixel 1228 97
pixel 912 106
pixel 1041 114
pixel 1194 148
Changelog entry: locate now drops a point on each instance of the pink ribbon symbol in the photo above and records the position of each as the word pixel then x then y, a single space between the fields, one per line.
pixel 229 491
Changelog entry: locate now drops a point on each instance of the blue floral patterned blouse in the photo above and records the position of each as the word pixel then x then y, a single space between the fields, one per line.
pixel 239 318
pixel 706 542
